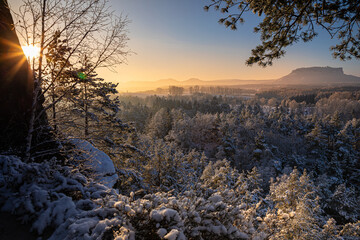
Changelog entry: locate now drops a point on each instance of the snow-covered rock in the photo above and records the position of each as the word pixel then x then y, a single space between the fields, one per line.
pixel 166 213
pixel 175 234
pixel 96 161
pixel 161 232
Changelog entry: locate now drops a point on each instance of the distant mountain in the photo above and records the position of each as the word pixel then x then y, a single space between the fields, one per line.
pixel 322 76
pixel 312 76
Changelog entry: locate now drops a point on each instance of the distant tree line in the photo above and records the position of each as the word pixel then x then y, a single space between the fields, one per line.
pixel 214 90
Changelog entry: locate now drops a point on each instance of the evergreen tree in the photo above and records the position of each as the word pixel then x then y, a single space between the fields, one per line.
pixel 160 124
pixel 284 23
pixel 94 101
pixel 296 208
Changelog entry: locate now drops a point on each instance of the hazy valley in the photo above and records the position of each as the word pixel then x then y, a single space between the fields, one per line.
pixel 301 77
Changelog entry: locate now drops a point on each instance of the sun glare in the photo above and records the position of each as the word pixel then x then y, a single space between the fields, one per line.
pixel 31 51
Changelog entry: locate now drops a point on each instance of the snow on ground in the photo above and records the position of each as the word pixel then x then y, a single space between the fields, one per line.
pixel 50 196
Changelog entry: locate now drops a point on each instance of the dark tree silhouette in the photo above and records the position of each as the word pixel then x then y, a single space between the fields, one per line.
pixel 16 84
pixel 284 23
pixel 16 93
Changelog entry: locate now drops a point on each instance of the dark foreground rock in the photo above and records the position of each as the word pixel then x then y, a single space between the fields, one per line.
pixel 16 84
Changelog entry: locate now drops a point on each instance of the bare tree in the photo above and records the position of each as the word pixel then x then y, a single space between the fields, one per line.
pixel 176 91
pixel 88 28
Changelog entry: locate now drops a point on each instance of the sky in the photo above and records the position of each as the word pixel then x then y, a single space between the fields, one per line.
pixel 178 39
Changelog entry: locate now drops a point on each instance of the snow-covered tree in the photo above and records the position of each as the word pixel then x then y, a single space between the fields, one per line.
pixel 160 124
pixel 296 212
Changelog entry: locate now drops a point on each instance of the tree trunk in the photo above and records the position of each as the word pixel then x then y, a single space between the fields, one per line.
pixel 86 112
pixel 53 95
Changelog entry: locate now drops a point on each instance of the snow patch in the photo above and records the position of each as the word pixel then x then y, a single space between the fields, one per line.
pixel 215 198
pixel 174 234
pixel 167 213
pixel 162 232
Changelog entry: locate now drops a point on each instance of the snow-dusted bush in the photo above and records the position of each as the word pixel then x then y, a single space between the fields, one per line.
pixel 200 214
pixel 59 197
pixel 351 231
pixel 50 196
pixel 296 212
pixel 225 204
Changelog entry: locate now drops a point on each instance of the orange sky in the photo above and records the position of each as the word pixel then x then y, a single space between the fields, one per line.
pixel 162 60
pixel 179 40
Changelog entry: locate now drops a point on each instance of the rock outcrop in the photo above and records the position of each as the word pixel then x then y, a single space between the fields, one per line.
pixel 16 83
pixel 318 76
pixel 16 96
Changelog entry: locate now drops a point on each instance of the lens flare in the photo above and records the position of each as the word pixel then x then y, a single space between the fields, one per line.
pixel 81 75
pixel 31 51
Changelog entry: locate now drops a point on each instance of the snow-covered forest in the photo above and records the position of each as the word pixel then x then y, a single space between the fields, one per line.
pixel 282 165
pixel 78 160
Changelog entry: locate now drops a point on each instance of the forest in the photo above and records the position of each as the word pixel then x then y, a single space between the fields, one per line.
pixel 281 165
pixel 79 160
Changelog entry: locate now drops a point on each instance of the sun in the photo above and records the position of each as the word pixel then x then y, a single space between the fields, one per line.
pixel 31 51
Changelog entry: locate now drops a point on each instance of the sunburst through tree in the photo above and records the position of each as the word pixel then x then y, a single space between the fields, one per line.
pixel 31 51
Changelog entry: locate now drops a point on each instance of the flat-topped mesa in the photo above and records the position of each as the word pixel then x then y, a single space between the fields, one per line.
pixel 322 76
pixel 320 70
